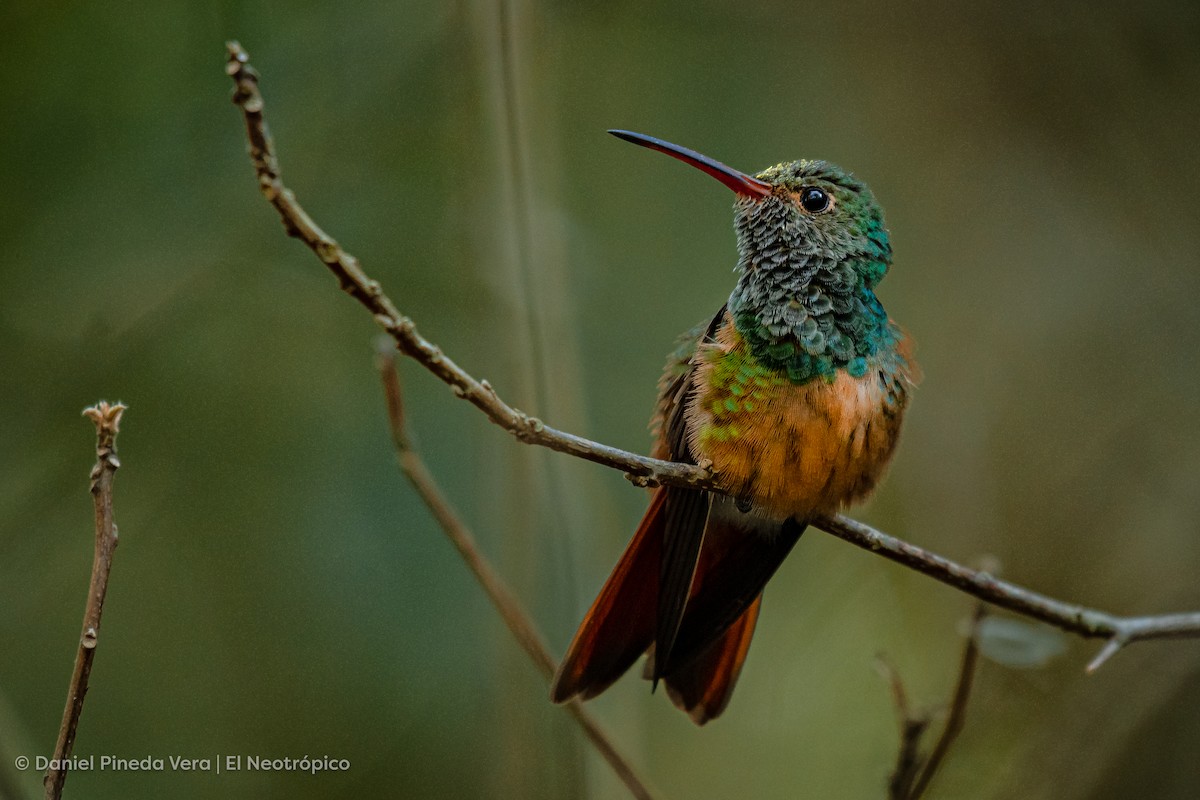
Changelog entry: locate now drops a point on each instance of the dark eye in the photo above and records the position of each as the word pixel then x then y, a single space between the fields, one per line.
pixel 814 200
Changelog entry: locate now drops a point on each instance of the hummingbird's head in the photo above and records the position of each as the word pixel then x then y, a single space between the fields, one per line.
pixel 816 212
pixel 795 215
pixel 812 246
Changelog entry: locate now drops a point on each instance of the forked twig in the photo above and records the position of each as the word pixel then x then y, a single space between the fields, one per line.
pixel 914 772
pixel 912 729
pixel 957 716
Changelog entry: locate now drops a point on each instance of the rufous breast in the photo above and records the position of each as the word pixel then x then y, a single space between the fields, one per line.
pixel 795 449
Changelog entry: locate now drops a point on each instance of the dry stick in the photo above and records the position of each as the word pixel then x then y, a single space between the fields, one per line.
pixel 912 774
pixel 641 470
pixel 958 707
pixel 367 291
pixel 108 420
pixel 912 728
pixel 1086 622
pixel 506 603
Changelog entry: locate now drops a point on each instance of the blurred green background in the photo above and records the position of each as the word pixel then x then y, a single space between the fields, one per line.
pixel 279 591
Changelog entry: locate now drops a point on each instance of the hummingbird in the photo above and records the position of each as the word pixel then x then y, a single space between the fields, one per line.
pixel 792 395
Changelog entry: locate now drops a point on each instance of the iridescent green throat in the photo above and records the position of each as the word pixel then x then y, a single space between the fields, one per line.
pixel 805 299
pixel 818 334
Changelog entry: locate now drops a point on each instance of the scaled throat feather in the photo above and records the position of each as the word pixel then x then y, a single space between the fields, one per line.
pixel 805 300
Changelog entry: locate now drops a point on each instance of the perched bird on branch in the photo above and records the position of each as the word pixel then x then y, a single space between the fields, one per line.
pixel 793 394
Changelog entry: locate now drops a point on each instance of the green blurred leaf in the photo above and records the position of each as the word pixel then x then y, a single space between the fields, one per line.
pixel 1019 644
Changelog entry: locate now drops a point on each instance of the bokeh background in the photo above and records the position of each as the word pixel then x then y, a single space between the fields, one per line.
pixel 279 591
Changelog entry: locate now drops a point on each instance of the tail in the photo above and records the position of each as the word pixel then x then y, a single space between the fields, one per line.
pixel 702 687
pixel 620 625
pixel 735 561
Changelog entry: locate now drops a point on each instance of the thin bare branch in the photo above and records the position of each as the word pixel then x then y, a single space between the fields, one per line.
pixel 958 707
pixel 640 469
pixel 1086 622
pixel 913 772
pixel 912 729
pixel 519 623
pixel 107 419
pixel 368 292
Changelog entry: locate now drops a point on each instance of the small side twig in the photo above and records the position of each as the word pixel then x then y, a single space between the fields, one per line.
pixel 107 419
pixel 515 617
pixel 912 729
pixel 913 772
pixel 642 470
pixel 957 716
pixel 1110 649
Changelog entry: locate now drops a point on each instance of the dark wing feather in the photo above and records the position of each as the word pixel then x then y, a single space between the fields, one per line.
pixel 733 571
pixel 686 516
pixel 686 510
pixel 623 621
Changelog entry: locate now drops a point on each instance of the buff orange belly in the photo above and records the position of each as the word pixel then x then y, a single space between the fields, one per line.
pixel 794 450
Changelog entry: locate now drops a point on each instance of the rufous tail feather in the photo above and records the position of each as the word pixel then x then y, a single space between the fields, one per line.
pixel 620 625
pixel 703 686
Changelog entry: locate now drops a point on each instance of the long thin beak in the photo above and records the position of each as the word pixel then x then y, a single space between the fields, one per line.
pixel 745 185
